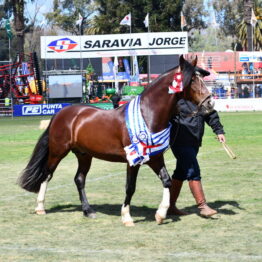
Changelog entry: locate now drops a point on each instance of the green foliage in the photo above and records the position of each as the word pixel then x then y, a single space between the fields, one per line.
pixel 164 16
pixel 195 14
pixel 90 69
pixel 257 31
pixel 66 13
pixel 229 14
pixel 3 45
pixel 210 40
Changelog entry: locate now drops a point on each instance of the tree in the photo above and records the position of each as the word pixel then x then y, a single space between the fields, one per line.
pixel 228 14
pixel 164 16
pixel 195 14
pixel 205 41
pixel 66 13
pixel 256 35
pixel 3 37
pixel 16 8
pixel 20 23
pixel 107 19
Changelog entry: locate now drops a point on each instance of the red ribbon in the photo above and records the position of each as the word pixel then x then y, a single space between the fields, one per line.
pixel 177 84
pixel 145 147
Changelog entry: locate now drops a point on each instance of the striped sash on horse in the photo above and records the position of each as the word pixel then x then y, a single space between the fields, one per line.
pixel 143 143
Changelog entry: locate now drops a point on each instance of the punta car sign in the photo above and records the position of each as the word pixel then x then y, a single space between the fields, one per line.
pixel 87 46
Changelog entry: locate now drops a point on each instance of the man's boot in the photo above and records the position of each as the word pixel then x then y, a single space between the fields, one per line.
pixel 198 193
pixel 174 193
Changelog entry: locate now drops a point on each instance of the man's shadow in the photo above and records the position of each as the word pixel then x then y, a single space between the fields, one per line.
pixel 220 206
pixel 144 213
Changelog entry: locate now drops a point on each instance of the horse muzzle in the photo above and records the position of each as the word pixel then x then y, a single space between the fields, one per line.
pixel 207 105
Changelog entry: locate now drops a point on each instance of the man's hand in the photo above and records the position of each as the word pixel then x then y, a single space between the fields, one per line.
pixel 221 138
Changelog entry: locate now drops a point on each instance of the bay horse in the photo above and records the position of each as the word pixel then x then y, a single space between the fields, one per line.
pixel 90 132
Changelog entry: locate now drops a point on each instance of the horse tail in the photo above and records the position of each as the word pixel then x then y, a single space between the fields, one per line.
pixel 35 172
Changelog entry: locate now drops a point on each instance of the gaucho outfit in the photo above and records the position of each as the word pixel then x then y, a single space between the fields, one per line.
pixel 185 139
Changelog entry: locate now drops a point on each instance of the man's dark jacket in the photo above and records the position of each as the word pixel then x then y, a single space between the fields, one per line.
pixel 188 130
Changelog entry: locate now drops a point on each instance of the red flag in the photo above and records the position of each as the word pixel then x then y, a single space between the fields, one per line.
pixel 126 20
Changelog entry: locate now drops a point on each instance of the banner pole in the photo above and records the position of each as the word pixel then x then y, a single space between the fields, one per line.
pixel 148 57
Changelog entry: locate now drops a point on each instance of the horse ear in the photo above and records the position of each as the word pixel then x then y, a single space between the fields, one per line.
pixel 194 61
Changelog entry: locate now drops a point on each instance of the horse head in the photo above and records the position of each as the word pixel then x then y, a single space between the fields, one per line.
pixel 195 89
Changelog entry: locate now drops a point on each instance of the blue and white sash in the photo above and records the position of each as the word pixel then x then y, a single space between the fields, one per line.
pixel 143 143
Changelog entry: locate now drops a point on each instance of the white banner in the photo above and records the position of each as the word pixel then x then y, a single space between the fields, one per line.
pixel 243 104
pixel 250 57
pixel 89 46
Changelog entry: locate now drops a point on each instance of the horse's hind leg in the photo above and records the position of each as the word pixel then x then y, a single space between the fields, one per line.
pixel 49 169
pixel 131 177
pixel 40 209
pixel 84 163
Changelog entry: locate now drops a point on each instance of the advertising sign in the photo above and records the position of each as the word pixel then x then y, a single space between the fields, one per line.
pixel 38 110
pixel 250 57
pixel 243 104
pixel 90 46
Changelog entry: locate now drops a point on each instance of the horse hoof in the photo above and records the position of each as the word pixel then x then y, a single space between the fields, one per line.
pixel 159 219
pixel 129 224
pixel 89 214
pixel 92 215
pixel 40 212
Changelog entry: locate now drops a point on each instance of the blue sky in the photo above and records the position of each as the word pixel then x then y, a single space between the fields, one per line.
pixel 40 7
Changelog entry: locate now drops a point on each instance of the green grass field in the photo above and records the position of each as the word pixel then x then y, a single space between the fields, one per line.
pixel 233 187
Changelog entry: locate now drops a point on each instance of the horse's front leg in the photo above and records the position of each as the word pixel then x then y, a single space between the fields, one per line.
pixel 159 168
pixel 131 176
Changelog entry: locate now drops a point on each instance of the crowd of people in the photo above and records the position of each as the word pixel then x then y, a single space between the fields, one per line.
pixel 241 91
pixel 248 84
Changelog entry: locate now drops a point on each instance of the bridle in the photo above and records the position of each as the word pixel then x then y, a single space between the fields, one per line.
pixel 207 97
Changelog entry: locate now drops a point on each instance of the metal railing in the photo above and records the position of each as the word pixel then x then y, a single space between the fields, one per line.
pixel 6 107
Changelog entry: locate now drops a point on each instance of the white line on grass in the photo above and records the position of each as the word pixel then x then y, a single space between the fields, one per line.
pixel 235 256
pixel 59 250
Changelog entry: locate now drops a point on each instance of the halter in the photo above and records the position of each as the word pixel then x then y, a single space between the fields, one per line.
pixel 199 105
pixel 198 75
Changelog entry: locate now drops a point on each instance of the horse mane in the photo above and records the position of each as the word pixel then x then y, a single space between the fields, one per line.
pixel 187 69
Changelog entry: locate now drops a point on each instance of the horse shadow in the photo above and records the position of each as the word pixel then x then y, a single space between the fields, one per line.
pixel 139 213
pixel 145 213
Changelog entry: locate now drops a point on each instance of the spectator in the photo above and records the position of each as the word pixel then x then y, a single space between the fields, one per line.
pixel 258 90
pixel 246 91
pixel 115 98
pixel 245 71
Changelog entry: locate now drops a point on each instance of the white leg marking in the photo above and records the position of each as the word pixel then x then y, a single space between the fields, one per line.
pixel 163 207
pixel 126 217
pixel 40 208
